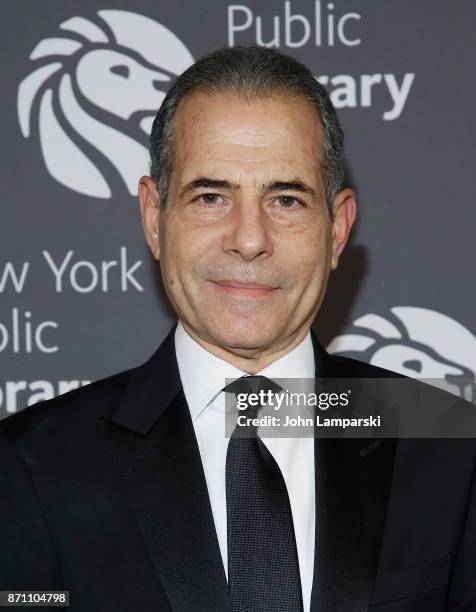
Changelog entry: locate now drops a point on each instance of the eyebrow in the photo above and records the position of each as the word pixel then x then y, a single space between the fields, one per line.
pixel 208 183
pixel 294 185
pixel 205 182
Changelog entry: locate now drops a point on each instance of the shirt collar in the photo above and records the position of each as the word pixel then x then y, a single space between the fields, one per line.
pixel 203 374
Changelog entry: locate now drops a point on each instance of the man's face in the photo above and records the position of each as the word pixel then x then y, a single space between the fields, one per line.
pixel 246 242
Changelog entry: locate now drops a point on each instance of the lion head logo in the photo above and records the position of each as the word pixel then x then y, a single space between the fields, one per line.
pixel 93 94
pixel 416 342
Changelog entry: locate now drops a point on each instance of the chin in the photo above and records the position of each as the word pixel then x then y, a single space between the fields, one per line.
pixel 244 334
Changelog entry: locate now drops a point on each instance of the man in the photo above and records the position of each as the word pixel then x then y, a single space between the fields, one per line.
pixel 127 493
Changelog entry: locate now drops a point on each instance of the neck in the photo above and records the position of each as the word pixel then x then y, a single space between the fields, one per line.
pixel 253 360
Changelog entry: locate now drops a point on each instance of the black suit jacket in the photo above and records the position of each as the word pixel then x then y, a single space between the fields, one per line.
pixel 102 493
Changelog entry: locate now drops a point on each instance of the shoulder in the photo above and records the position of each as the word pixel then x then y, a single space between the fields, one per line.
pixel 346 367
pixel 68 414
pixel 69 424
pixel 412 408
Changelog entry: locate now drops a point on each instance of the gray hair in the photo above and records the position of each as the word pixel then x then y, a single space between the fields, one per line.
pixel 252 73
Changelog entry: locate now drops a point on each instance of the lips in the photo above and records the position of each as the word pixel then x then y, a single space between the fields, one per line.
pixel 243 284
pixel 244 288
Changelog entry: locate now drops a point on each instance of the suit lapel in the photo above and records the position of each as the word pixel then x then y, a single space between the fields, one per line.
pixel 152 442
pixel 151 439
pixel 352 488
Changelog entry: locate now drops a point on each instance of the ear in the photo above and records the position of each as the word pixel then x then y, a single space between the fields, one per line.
pixel 345 210
pixel 150 209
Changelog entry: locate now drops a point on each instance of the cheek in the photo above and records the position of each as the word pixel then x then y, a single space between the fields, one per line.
pixel 185 248
pixel 311 252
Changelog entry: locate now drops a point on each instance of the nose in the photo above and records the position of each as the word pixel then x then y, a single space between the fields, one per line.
pixel 247 233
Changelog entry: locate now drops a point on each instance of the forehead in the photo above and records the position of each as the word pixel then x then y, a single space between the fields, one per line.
pixel 224 133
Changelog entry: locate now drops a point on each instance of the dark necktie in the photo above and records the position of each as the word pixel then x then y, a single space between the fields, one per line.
pixel 263 568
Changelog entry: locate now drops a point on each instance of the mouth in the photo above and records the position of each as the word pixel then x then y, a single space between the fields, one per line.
pixel 243 288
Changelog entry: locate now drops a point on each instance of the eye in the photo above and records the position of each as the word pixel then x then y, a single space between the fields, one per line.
pixel 288 202
pixel 209 199
pixel 121 69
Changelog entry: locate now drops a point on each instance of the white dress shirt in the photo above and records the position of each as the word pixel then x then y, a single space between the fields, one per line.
pixel 203 378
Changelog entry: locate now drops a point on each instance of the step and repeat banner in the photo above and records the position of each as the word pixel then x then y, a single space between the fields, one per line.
pixel 81 296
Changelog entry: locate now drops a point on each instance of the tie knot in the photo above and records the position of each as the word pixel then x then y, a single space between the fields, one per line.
pixel 252 393
pixel 252 384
